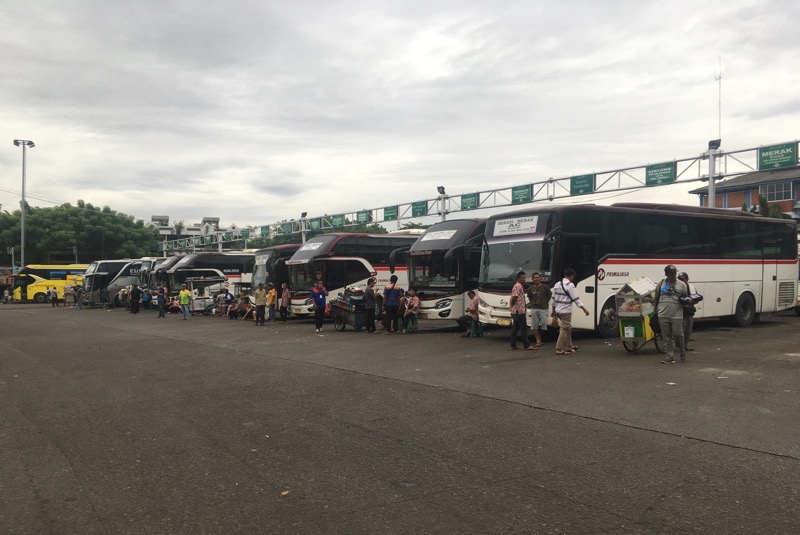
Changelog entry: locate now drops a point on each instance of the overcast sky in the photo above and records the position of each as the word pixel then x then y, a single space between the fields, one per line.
pixel 254 110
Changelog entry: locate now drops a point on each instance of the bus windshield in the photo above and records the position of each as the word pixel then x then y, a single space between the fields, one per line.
pixel 502 261
pixel 428 273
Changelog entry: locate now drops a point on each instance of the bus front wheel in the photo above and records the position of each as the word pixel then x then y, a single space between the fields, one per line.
pixel 608 322
pixel 40 298
pixel 745 312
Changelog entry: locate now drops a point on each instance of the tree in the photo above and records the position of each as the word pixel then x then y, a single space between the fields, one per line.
pixel 179 226
pixel 54 234
pixel 768 210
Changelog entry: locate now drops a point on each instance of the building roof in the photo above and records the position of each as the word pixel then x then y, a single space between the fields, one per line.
pixel 755 178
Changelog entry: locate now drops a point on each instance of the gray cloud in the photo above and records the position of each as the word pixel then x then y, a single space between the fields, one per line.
pixel 154 107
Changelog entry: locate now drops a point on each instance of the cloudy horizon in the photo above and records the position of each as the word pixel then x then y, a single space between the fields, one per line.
pixel 257 111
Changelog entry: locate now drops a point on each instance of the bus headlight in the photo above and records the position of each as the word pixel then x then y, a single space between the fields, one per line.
pixel 443 304
pixel 308 301
pixel 483 303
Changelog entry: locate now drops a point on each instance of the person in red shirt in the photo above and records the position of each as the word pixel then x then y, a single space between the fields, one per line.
pixel 519 323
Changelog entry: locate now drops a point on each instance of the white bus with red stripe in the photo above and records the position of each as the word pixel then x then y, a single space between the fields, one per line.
pixel 743 264
pixel 343 260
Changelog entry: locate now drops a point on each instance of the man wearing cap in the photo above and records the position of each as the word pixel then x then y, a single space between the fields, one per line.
pixel 670 312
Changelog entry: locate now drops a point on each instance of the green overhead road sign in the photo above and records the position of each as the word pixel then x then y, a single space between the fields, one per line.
pixel 337 221
pixel 245 234
pixel 581 185
pixel 314 224
pixel 419 209
pixel 286 228
pixel 362 217
pixel 660 173
pixel 520 194
pixel 390 213
pixel 265 231
pixel 775 156
pixel 469 201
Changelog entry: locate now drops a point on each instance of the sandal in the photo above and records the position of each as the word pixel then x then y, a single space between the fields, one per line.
pixel 531 348
pixel 538 344
pixel 574 348
pixel 514 348
pixel 567 352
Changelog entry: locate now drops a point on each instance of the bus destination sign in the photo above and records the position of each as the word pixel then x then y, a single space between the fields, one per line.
pixel 516 225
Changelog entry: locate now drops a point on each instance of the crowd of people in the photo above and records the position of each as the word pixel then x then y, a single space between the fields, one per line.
pixel 549 307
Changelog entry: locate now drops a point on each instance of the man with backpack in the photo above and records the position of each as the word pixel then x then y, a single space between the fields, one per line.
pixel 564 294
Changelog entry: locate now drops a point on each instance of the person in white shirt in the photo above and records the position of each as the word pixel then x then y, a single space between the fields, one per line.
pixel 564 294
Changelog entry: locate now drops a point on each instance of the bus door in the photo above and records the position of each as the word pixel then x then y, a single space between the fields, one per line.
pixel 769 289
pixel 340 272
pixel 579 252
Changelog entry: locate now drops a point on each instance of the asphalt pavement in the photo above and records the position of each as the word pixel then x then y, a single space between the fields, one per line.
pixel 112 423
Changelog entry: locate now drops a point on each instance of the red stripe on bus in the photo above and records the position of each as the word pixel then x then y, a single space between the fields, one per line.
pixel 697 262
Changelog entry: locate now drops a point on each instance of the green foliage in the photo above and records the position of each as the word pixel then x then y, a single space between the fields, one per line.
pixel 768 210
pixel 744 207
pixel 412 226
pixel 53 234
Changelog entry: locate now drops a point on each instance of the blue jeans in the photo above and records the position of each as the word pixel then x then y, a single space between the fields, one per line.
pixel 186 313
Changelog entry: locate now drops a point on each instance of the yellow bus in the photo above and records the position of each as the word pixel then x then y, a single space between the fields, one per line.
pixel 41 277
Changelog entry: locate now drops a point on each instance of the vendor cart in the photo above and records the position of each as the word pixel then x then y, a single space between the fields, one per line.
pixel 348 309
pixel 635 310
pixel 201 287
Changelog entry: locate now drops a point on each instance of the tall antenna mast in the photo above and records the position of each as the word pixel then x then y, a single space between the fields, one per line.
pixel 718 78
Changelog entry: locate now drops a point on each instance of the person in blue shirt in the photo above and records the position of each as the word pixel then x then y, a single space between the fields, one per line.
pixel 318 295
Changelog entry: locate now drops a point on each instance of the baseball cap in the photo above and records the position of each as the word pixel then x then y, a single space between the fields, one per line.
pixel 670 268
pixel 683 275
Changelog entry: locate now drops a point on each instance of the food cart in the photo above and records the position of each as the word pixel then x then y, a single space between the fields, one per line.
pixel 202 302
pixel 348 309
pixel 635 309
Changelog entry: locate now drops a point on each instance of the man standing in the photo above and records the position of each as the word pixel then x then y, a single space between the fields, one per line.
pixel 79 296
pixel 261 304
pixel 54 296
pixel 517 306
pixel 272 300
pixel 135 297
pixel 564 294
pixel 185 297
pixel 161 299
pixel 318 295
pixel 369 305
pixel 670 313
pixel 539 296
pixel 688 310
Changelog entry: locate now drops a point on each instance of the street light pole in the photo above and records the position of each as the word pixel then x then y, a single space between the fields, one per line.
pixel 24 143
pixel 442 202
pixel 303 226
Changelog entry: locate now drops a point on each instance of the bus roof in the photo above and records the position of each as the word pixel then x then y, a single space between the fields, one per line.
pixel 675 209
pixel 445 235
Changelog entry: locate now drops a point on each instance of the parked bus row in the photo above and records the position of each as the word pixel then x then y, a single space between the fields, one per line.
pixel 743 264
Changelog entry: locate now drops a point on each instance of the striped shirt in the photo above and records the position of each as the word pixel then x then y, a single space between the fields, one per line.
pixel 564 294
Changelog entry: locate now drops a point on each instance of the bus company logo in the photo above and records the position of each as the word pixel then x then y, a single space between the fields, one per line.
pixel 602 274
pixel 503 302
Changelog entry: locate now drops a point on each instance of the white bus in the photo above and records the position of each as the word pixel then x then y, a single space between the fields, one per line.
pixel 443 265
pixel 343 260
pixel 743 264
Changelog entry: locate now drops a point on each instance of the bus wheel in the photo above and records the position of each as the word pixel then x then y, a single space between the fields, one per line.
pixel 745 310
pixel 608 322
pixel 40 298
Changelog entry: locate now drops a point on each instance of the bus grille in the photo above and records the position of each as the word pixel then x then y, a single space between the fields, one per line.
pixel 786 295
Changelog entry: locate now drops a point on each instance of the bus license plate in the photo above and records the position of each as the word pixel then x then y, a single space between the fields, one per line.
pixel 504 323
pixel 298 310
